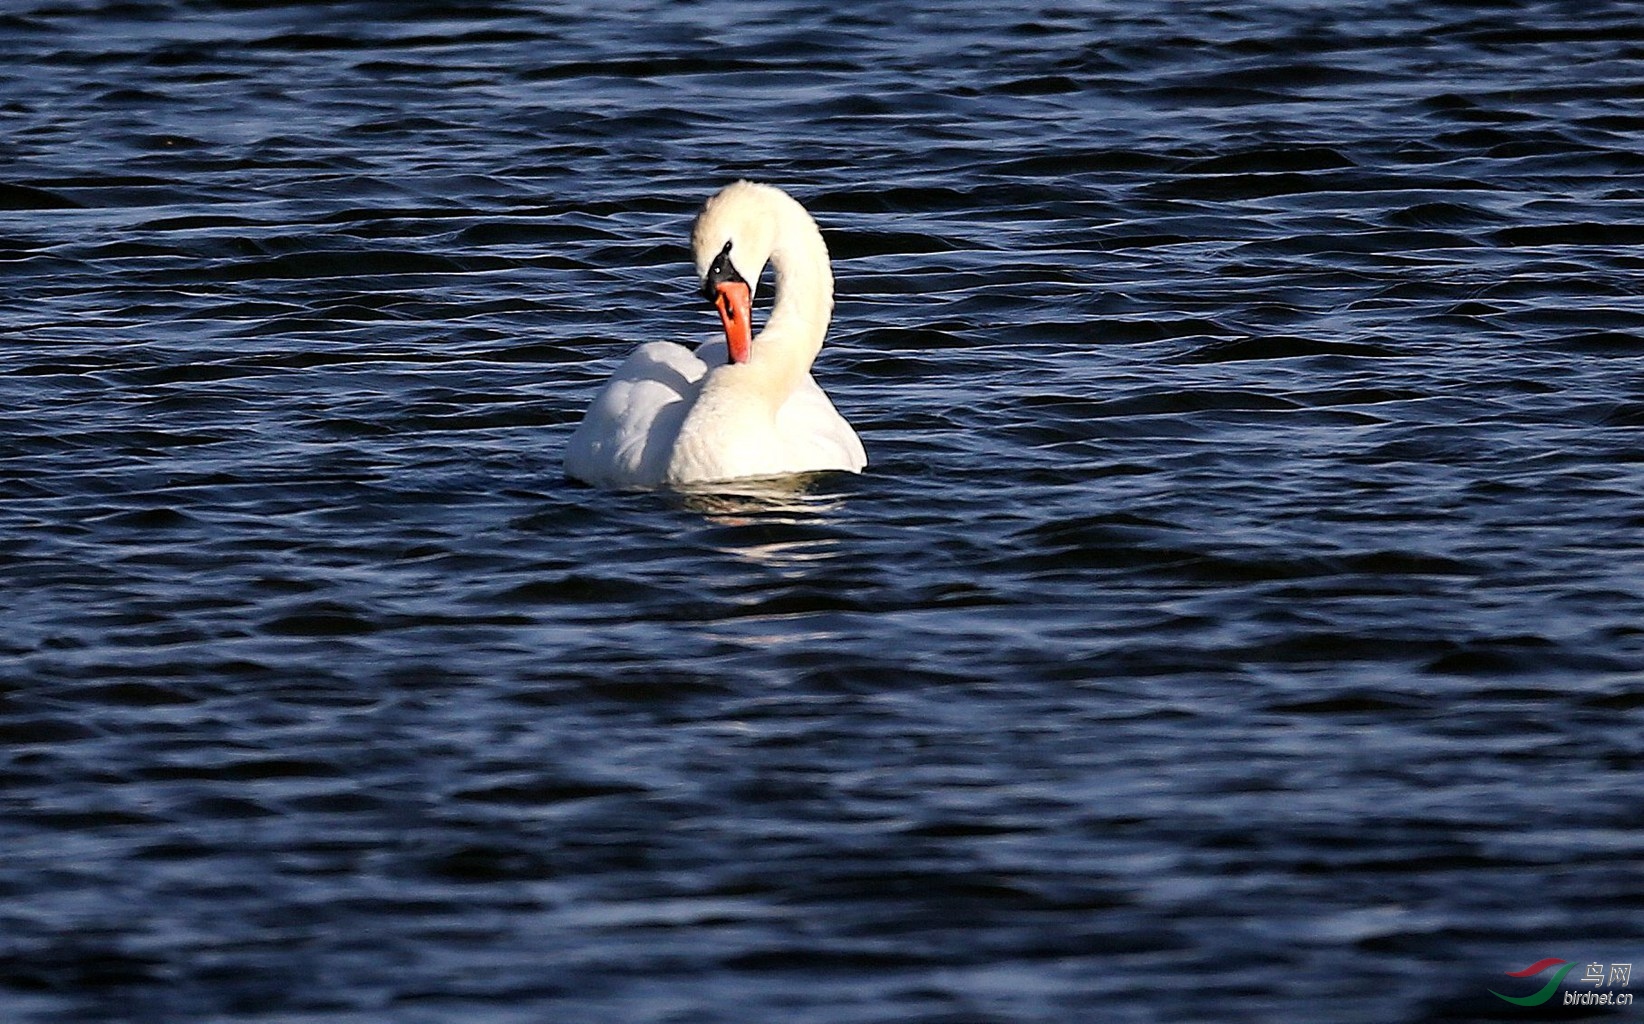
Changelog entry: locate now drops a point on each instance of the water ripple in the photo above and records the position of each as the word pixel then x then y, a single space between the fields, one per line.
pixel 1240 612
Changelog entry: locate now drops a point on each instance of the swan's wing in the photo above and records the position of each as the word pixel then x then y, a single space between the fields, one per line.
pixel 814 432
pixel 628 431
pixel 714 352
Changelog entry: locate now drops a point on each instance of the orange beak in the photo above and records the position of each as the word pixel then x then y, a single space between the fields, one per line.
pixel 735 305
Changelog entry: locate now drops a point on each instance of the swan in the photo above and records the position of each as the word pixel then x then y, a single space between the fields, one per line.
pixel 742 407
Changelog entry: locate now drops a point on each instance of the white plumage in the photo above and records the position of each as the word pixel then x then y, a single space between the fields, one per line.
pixel 669 416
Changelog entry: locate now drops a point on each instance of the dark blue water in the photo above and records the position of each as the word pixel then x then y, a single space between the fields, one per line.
pixel 1242 617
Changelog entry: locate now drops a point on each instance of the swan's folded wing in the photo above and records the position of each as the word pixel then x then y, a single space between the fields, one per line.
pixel 816 435
pixel 625 437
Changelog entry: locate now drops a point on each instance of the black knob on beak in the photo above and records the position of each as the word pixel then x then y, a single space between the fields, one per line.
pixel 720 271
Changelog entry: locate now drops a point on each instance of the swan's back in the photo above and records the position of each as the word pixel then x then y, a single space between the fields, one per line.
pixel 627 435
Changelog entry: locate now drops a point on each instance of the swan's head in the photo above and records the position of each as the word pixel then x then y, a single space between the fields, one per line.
pixel 731 242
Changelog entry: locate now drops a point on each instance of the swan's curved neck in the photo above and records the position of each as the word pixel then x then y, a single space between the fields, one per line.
pixel 793 335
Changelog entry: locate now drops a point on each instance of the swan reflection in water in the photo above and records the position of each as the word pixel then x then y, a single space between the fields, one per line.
pixel 786 523
pixel 734 502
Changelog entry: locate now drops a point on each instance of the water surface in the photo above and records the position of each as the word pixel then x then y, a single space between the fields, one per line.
pixel 1242 617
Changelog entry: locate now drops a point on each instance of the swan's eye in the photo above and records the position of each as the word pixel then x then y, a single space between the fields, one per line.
pixel 720 271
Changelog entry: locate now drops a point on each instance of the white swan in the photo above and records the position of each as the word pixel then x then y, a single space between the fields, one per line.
pixel 744 407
